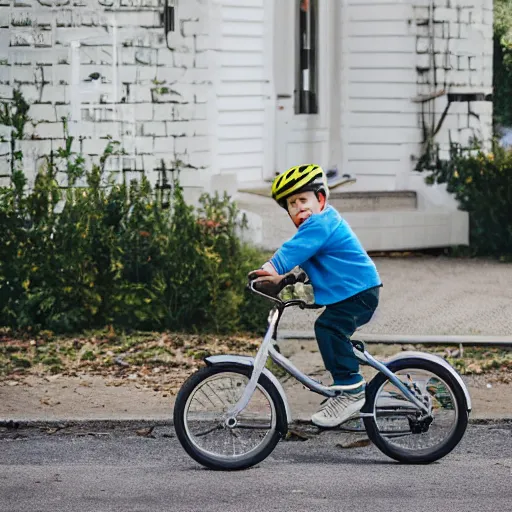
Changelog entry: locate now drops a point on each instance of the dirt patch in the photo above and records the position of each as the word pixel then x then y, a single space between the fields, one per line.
pixel 137 377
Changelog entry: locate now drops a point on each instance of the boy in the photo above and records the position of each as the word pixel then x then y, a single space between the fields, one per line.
pixel 343 276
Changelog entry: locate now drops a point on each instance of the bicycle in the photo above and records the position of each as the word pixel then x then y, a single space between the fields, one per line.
pixel 231 414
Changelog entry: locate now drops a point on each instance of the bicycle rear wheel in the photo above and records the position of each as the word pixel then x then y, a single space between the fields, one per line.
pixel 199 418
pixel 399 429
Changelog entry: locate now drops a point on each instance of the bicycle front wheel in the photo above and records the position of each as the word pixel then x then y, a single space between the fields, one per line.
pixel 199 418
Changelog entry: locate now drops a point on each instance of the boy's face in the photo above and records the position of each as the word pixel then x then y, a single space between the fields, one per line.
pixel 301 206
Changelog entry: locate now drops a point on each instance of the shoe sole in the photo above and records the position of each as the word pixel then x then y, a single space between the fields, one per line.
pixel 336 422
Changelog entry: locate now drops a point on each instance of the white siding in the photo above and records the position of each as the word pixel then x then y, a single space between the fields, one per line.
pixel 385 44
pixel 241 89
pixel 380 81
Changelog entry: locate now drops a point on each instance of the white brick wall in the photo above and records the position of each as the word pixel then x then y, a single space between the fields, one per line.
pixel 386 43
pixel 159 95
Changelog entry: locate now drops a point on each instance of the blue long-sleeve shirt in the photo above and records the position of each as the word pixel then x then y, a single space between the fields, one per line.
pixel 331 254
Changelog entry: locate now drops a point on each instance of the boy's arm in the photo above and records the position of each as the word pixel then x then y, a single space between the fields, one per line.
pixel 303 245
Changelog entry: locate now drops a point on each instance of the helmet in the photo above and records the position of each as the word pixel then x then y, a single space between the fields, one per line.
pixel 300 178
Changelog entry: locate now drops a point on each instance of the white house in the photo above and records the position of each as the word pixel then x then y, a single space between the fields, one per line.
pixel 238 90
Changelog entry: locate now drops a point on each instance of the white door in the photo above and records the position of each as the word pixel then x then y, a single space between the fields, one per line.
pixel 302 77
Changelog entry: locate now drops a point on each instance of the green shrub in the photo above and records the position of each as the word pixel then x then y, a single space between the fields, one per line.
pixel 100 253
pixel 482 183
pixel 502 63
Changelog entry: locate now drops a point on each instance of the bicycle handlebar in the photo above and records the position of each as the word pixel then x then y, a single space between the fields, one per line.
pixel 290 279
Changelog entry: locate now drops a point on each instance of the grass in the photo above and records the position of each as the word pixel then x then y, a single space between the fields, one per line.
pixel 152 357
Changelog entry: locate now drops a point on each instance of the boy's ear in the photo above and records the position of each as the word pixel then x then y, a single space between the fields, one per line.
pixel 321 200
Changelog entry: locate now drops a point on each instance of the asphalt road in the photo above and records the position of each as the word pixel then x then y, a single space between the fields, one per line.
pixel 120 471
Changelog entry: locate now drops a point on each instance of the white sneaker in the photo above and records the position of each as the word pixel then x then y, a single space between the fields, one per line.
pixel 338 409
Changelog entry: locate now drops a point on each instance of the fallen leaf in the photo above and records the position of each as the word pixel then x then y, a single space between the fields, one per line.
pixel 359 443
pixel 145 432
pixel 474 368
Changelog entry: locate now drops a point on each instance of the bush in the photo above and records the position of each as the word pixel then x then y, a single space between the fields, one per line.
pixel 124 255
pixel 502 63
pixel 482 183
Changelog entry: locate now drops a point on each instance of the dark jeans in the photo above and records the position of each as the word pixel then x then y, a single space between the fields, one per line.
pixel 335 326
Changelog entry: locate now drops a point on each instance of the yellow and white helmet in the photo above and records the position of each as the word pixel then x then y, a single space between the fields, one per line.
pixel 300 178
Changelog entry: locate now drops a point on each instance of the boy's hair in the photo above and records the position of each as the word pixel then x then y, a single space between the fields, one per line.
pixel 301 178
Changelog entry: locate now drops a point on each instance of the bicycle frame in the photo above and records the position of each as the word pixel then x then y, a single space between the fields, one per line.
pixel 266 349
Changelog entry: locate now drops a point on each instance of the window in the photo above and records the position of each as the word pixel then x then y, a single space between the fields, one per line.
pixel 306 79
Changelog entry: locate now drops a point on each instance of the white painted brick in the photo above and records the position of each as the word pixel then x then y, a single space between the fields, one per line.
pixel 198 128
pixel 202 159
pixel 30 93
pixel 22 18
pixel 184 60
pixel 137 19
pixel 202 43
pixel 154 128
pixel 146 56
pixel 423 61
pixel 164 145
pixel 192 144
pixel 165 58
pixel 145 75
pixel 138 4
pixel 126 55
pixel 183 112
pixel 93 146
pixel 170 75
pixel 180 93
pixel 475 80
pixel 87 128
pixel 162 112
pixel 50 130
pixel 105 129
pixel 488 17
pixel 144 145
pixel 23 74
pixel 194 75
pixel 422 45
pixel 143 111
pixel 194 28
pixel 147 38
pixel 202 60
pixel 5 148
pixel 139 94
pixel 42 113
pixel 178 128
pixel 55 94
pixel 445 14
pixel 87 69
pixel 465 16
pixel 192 9
pixel 150 163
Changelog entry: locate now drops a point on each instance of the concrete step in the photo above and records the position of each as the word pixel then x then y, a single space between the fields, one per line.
pixel 373 201
pixel 370 201
pixel 378 230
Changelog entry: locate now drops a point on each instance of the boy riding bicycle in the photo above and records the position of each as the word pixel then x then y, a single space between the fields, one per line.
pixel 344 279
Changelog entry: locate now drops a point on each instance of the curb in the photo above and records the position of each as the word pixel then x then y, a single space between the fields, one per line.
pixel 408 339
pixel 129 424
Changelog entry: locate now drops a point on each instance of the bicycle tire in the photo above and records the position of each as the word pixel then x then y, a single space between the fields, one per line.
pixel 218 463
pixel 448 445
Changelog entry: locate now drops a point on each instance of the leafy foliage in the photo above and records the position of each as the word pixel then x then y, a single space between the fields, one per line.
pixel 502 67
pixel 100 253
pixel 482 183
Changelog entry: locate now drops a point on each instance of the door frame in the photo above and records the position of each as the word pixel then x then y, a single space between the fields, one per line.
pixel 284 54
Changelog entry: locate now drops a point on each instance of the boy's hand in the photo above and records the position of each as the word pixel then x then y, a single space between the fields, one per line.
pixel 265 282
pixel 254 274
